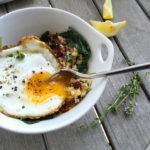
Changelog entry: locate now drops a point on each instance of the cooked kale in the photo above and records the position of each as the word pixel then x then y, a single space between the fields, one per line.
pixel 31 121
pixel 0 41
pixel 76 40
pixel 45 36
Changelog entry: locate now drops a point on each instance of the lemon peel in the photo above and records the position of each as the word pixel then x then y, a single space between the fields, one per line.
pixel 108 28
pixel 107 10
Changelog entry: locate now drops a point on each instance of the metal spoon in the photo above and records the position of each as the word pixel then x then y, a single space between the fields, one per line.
pixel 101 74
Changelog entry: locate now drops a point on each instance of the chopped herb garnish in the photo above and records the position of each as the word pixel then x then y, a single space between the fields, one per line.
pixel 10 55
pixel 19 55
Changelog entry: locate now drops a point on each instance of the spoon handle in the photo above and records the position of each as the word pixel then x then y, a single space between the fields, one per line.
pixel 105 73
pixel 121 70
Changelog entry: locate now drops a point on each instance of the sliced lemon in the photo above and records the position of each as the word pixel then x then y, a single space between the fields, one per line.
pixel 108 28
pixel 107 10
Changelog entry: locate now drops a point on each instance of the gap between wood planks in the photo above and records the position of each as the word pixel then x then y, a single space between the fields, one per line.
pixel 144 10
pixel 121 48
pixel 126 58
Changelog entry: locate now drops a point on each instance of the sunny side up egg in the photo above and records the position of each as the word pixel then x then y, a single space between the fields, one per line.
pixel 24 92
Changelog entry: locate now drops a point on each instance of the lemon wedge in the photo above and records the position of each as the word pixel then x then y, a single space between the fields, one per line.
pixel 107 10
pixel 108 28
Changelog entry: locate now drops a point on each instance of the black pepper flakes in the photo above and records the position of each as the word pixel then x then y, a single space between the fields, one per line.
pixel 15 88
pixel 7 94
pixel 14 77
pixel 33 71
pixel 23 81
pixel 1 87
pixel 10 66
pixel 23 107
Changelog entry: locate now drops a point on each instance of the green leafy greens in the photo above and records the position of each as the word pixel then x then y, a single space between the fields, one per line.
pixel 45 36
pixel 76 40
pixel 31 121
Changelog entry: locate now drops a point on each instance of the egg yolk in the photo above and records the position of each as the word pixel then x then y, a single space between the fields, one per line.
pixel 39 90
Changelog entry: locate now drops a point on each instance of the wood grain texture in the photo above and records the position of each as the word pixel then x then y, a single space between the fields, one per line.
pixel 134 40
pixel 2 10
pixel 73 138
pixel 83 8
pixel 13 141
pixel 145 4
pixel 18 4
pixel 125 133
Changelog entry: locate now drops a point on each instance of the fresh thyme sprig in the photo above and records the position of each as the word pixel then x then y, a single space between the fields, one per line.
pixel 127 96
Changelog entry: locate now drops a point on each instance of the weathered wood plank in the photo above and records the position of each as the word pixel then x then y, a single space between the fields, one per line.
pixel 145 4
pixel 134 40
pixel 2 10
pixel 27 3
pixel 13 141
pixel 85 9
pixel 73 138
pixel 72 132
pixel 126 133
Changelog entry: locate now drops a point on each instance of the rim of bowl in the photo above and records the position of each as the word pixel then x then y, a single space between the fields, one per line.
pixel 84 111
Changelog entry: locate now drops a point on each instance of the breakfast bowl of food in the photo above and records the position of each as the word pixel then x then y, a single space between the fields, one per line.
pixel 37 42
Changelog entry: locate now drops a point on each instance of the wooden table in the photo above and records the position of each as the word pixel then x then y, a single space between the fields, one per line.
pixel 117 132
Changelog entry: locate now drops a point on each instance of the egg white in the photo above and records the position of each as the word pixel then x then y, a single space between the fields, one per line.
pixel 37 58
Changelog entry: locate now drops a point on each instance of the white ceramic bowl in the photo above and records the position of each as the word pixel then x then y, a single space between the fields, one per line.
pixel 36 21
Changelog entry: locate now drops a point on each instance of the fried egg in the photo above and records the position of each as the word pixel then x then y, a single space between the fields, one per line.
pixel 24 90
